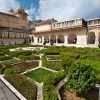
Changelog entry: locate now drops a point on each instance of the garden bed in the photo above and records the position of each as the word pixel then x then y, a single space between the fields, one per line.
pixel 24 85
pixel 3 57
pixel 54 65
pixel 10 62
pixel 40 75
pixel 53 57
pixel 67 95
pixel 24 66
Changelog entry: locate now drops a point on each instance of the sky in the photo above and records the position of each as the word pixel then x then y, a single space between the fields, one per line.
pixel 60 10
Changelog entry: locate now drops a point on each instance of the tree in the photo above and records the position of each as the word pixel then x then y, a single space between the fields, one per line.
pixel 51 43
pixel 44 43
pixel 81 77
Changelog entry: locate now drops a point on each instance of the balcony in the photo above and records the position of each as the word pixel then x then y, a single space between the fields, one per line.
pixel 93 22
pixel 69 24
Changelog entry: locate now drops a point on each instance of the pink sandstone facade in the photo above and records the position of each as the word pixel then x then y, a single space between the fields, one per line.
pixel 13 27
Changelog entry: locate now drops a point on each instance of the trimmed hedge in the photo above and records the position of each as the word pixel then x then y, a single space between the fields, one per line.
pixel 48 88
pixel 10 62
pixel 24 85
pixel 12 71
pixel 2 58
pixel 52 53
pixel 21 52
pixel 22 57
pixel 55 65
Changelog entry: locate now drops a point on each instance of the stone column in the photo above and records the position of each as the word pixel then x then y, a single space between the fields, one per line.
pixel 96 40
pixel 56 40
pixel 42 39
pixel 65 40
pixel 49 39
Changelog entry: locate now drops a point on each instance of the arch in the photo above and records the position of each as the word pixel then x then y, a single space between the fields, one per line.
pixel 39 39
pixel 32 39
pixel 99 37
pixel 53 39
pixel 46 39
pixel 72 38
pixel 29 39
pixel 60 39
pixel 91 38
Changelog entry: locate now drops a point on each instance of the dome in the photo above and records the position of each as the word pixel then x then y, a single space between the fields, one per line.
pixel 19 9
pixel 11 10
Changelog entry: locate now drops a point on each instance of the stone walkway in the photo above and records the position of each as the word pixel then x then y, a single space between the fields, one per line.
pixel 59 85
pixel 5 93
pixel 39 91
pixel 98 86
pixel 8 92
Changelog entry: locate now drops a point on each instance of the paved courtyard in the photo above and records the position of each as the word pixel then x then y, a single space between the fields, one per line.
pixel 5 93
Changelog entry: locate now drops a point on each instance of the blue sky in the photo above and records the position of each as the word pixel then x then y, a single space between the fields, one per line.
pixel 25 4
pixel 60 10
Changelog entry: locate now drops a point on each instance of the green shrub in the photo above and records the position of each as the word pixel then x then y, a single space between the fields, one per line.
pixel 80 77
pixel 2 70
pixel 48 88
pixel 99 46
pixel 51 43
pixel 32 57
pixel 12 71
pixel 52 53
pixel 49 93
pixel 20 52
pixel 10 62
pixel 24 85
pixel 1 53
pixel 2 58
pixel 66 63
pixel 44 43
pixel 55 65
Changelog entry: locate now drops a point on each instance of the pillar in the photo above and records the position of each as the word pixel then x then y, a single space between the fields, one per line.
pixel 42 39
pixel 96 40
pixel 56 40
pixel 49 39
pixel 65 39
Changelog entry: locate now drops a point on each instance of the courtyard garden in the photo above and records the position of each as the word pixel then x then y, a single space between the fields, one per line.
pixel 80 66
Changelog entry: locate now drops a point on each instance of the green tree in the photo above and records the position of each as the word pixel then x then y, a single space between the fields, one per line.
pixel 81 77
pixel 44 43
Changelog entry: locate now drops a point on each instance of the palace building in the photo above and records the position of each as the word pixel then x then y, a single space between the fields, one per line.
pixel 13 27
pixel 77 32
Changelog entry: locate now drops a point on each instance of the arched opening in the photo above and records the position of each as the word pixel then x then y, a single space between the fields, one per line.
pixel 91 38
pixel 46 39
pixel 60 39
pixel 99 38
pixel 32 39
pixel 72 39
pixel 29 39
pixel 53 39
pixel 39 39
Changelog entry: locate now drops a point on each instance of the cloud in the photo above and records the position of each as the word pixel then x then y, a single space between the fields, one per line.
pixel 31 12
pixel 5 5
pixel 68 9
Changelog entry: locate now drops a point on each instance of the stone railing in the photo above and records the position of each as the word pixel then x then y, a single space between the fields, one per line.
pixel 93 22
pixel 67 24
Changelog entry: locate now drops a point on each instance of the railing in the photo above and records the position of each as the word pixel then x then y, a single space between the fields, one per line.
pixel 93 22
pixel 67 24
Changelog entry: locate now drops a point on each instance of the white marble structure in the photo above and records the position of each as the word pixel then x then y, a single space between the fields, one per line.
pixel 77 32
